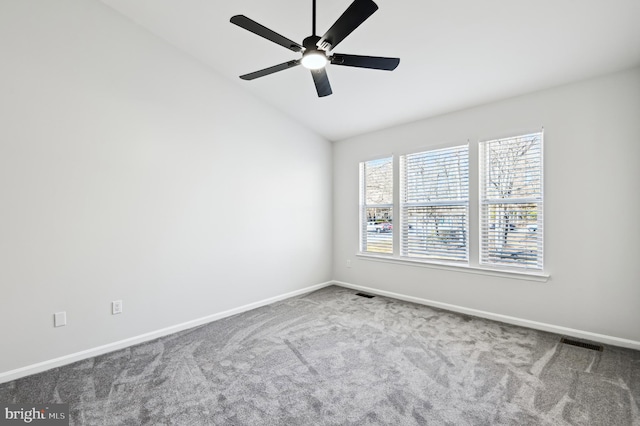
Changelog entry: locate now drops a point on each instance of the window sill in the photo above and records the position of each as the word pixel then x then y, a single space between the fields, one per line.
pixel 504 273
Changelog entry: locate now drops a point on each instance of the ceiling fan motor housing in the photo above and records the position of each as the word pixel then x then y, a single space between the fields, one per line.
pixel 311 43
pixel 313 57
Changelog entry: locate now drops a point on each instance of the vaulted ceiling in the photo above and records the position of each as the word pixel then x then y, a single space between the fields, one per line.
pixel 454 54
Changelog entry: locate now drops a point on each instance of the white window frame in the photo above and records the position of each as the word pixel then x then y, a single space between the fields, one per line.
pixel 474 224
pixel 363 220
pixel 534 237
pixel 432 247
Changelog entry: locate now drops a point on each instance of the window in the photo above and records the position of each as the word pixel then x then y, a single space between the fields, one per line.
pixel 376 206
pixel 511 186
pixel 434 204
pixel 434 207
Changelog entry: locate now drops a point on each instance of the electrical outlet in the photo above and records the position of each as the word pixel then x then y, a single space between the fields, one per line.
pixel 116 307
pixel 60 319
pixel 348 263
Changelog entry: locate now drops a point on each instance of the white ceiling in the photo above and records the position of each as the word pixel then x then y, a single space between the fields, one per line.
pixel 453 53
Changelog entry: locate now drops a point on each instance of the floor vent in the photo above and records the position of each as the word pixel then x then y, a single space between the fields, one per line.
pixel 368 296
pixel 591 346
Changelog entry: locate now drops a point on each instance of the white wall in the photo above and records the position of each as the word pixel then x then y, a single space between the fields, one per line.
pixel 130 171
pixel 592 205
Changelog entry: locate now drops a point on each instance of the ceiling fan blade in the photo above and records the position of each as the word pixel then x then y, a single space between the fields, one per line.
pixel 356 14
pixel 250 25
pixel 373 62
pixel 321 81
pixel 270 70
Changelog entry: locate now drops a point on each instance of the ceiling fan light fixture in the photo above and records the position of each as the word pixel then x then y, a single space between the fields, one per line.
pixel 314 60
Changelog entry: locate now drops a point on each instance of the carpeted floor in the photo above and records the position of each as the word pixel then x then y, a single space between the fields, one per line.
pixel 334 358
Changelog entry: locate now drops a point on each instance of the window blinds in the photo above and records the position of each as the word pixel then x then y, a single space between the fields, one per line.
pixel 511 194
pixel 434 204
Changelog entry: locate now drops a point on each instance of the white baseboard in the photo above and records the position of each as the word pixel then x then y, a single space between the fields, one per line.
pixel 587 335
pixel 78 356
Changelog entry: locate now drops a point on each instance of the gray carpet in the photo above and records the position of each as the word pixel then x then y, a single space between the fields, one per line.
pixel 333 358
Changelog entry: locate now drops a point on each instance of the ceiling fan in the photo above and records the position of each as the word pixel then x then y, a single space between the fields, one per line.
pixel 316 51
